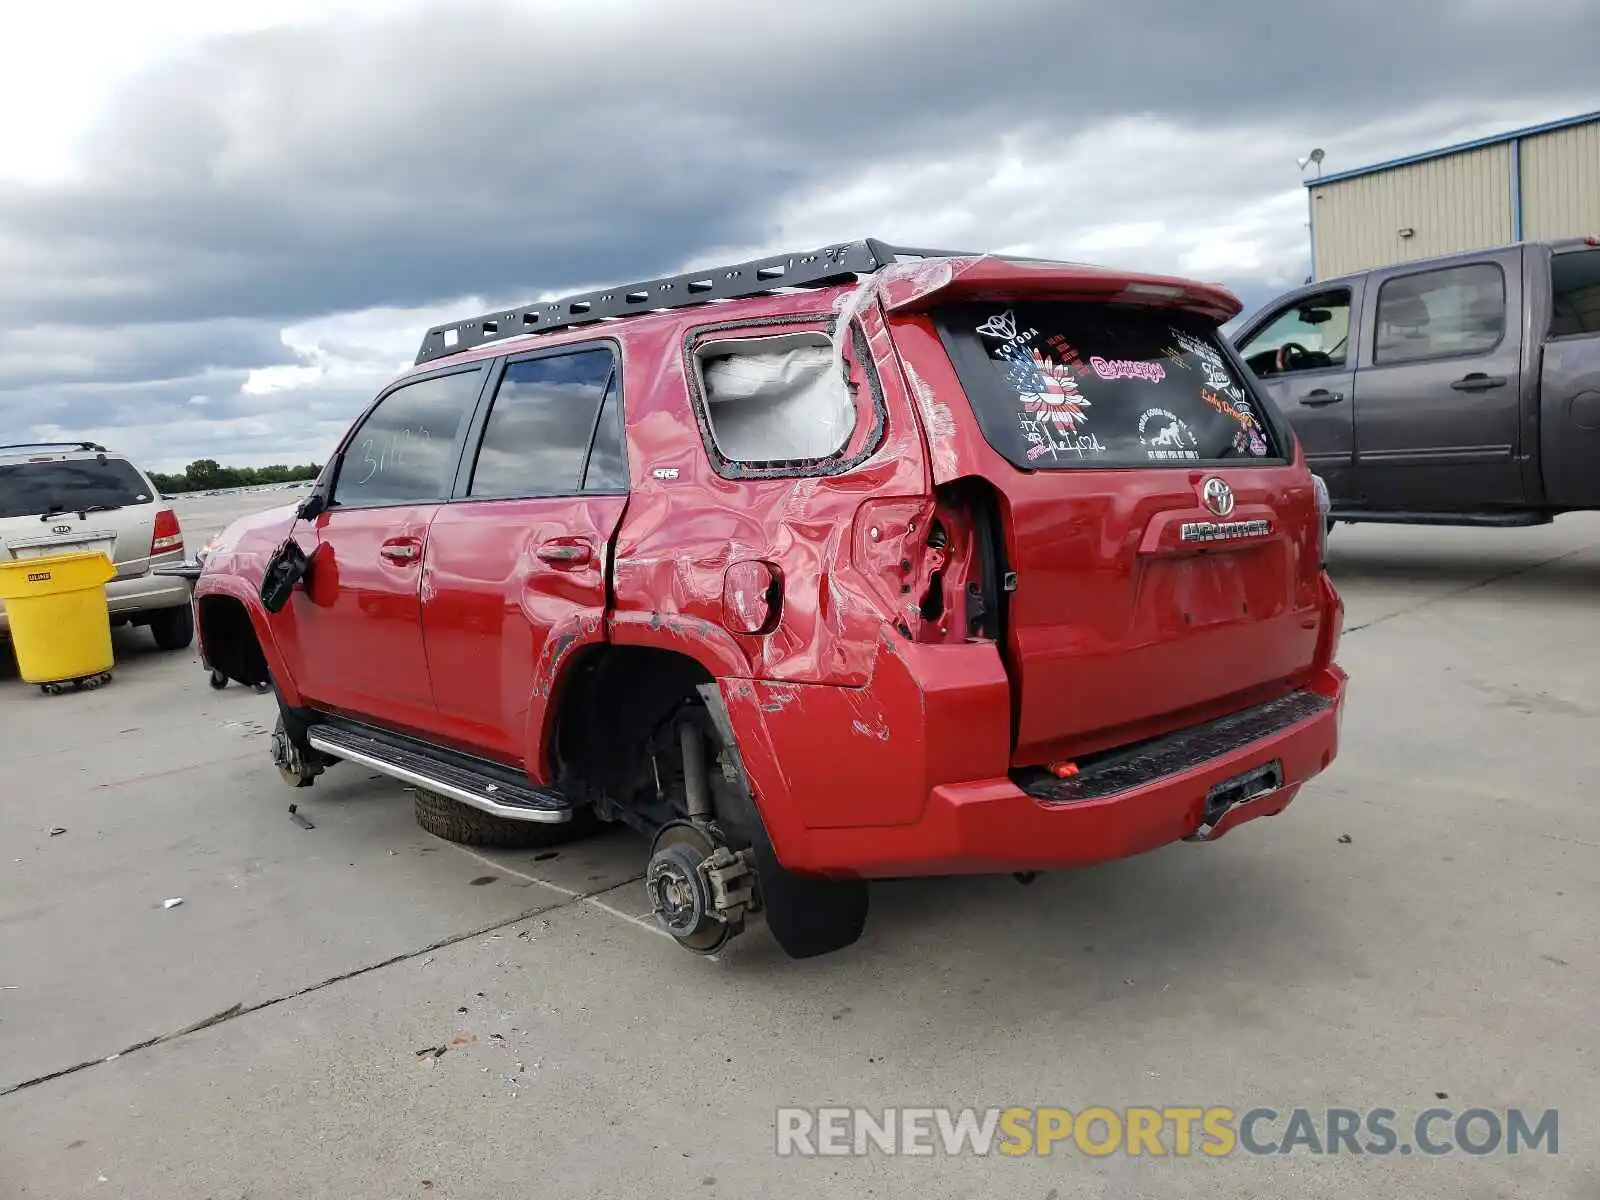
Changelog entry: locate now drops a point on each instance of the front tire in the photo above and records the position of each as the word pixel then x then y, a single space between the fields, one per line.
pixel 467 826
pixel 173 628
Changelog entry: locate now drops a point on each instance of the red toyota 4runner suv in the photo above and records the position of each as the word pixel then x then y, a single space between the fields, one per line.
pixel 822 568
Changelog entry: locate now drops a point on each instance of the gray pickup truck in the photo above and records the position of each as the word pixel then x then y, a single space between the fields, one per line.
pixel 1462 390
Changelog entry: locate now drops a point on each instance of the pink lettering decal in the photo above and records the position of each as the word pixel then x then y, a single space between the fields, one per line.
pixel 1118 368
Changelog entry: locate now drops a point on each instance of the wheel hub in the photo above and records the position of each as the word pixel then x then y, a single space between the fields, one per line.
pixel 296 770
pixel 681 892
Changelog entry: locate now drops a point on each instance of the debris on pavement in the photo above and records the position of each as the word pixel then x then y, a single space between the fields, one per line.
pixel 435 1051
pixel 226 1014
pixel 172 902
pixel 300 820
pixel 58 831
pixel 1345 839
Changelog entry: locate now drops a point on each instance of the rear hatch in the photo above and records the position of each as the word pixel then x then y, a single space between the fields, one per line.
pixel 55 504
pixel 1163 551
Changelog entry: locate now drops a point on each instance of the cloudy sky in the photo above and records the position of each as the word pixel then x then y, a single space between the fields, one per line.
pixel 223 227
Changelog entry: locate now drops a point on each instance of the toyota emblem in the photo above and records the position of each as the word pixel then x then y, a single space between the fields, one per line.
pixel 1218 496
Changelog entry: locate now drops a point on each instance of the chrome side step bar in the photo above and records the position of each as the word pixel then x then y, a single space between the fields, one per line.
pixel 453 775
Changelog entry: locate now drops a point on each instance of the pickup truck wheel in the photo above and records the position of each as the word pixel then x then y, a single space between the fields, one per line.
pixel 173 628
pixel 461 823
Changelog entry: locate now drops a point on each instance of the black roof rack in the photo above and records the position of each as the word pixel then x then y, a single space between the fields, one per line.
pixel 95 446
pixel 757 277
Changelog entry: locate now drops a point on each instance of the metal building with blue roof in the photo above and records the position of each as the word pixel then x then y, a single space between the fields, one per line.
pixel 1533 184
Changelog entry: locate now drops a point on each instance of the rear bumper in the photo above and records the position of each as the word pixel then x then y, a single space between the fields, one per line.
pixel 145 594
pixel 987 823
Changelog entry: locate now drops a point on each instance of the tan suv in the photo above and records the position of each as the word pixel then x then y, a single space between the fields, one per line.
pixel 58 497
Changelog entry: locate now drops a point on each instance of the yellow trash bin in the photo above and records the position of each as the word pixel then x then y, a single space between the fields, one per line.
pixel 60 627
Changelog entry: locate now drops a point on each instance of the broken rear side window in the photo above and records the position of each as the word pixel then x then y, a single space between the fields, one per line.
pixel 1059 385
pixel 776 400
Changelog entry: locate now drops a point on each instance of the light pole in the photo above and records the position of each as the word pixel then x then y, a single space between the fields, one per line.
pixel 1314 158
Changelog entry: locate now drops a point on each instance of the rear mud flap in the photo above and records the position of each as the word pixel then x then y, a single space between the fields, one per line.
pixel 1226 796
pixel 808 916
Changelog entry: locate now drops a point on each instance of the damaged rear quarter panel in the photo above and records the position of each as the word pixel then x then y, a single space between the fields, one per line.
pixel 687 523
pixel 822 757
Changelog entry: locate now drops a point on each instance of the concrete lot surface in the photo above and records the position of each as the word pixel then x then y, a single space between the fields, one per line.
pixel 1418 931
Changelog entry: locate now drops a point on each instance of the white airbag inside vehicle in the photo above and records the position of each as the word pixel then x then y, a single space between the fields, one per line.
pixel 776 399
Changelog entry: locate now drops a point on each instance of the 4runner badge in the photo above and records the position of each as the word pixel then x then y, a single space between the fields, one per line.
pixel 1218 496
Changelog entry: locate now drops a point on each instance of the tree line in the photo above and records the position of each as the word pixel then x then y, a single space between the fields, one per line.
pixel 205 474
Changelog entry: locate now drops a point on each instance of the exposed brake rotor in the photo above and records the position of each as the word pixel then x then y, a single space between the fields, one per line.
pixel 680 891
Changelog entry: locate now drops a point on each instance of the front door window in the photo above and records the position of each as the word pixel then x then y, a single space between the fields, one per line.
pixel 1312 334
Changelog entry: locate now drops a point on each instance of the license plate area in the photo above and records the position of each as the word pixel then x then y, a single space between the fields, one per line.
pixel 1240 789
pixel 88 543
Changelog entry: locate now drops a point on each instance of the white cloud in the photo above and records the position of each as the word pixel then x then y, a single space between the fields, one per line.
pixel 1209 191
pixel 59 62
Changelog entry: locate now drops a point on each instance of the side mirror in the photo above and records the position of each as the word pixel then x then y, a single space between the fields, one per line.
pixel 312 507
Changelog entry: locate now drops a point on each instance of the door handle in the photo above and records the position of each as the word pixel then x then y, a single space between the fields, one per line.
pixel 565 554
pixel 1319 397
pixel 1478 382
pixel 401 551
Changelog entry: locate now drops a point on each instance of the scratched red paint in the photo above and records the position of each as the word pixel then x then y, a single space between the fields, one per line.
pixel 877 739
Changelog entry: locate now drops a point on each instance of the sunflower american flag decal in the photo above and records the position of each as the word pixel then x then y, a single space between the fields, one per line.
pixel 1053 409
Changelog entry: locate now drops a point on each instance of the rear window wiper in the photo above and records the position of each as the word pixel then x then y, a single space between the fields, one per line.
pixel 55 510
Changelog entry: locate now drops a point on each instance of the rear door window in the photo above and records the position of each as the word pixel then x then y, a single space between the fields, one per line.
pixel 1575 282
pixel 70 485
pixel 1062 385
pixel 1440 314
pixel 540 426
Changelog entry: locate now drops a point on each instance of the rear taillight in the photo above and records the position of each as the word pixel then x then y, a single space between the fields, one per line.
pixel 752 597
pixel 1324 508
pixel 169 534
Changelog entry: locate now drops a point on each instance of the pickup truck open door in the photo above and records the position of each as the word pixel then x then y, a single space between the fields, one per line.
pixel 1302 352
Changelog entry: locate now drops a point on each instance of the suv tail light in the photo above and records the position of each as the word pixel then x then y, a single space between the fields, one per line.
pixel 1324 508
pixel 168 535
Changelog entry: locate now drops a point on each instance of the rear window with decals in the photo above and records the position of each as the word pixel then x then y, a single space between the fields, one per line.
pixel 1059 385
